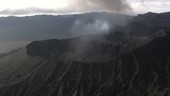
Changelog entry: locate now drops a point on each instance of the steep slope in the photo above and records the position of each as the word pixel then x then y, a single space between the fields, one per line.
pixel 15 65
pixel 45 75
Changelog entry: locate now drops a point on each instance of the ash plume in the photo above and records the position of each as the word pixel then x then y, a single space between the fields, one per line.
pixel 102 5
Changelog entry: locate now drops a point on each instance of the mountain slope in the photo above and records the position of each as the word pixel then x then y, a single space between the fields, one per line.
pixel 146 24
pixel 48 76
pixel 113 64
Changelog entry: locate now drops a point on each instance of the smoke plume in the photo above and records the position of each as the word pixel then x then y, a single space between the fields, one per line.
pixel 81 27
pixel 102 5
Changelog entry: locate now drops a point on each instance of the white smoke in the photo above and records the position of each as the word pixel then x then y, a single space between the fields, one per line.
pixel 101 5
pixel 81 27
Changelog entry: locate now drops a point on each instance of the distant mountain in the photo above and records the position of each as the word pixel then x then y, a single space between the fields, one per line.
pixel 146 24
pixel 61 26
pixel 16 32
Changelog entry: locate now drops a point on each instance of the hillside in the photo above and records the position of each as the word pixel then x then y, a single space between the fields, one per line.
pixel 40 74
pixel 112 64
pixel 146 24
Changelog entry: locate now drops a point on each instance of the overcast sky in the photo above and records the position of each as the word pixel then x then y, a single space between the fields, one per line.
pixel 28 7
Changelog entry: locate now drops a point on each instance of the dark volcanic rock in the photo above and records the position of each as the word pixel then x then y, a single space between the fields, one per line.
pixel 94 48
pixel 47 47
pixel 148 64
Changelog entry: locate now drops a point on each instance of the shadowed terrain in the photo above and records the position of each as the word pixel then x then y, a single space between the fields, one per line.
pixel 113 64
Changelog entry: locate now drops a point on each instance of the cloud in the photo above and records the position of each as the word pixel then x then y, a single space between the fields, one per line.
pixel 81 6
pixel 28 11
pixel 157 6
pixel 101 5
pixel 73 6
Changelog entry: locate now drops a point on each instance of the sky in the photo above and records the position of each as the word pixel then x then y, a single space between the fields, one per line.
pixel 31 7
